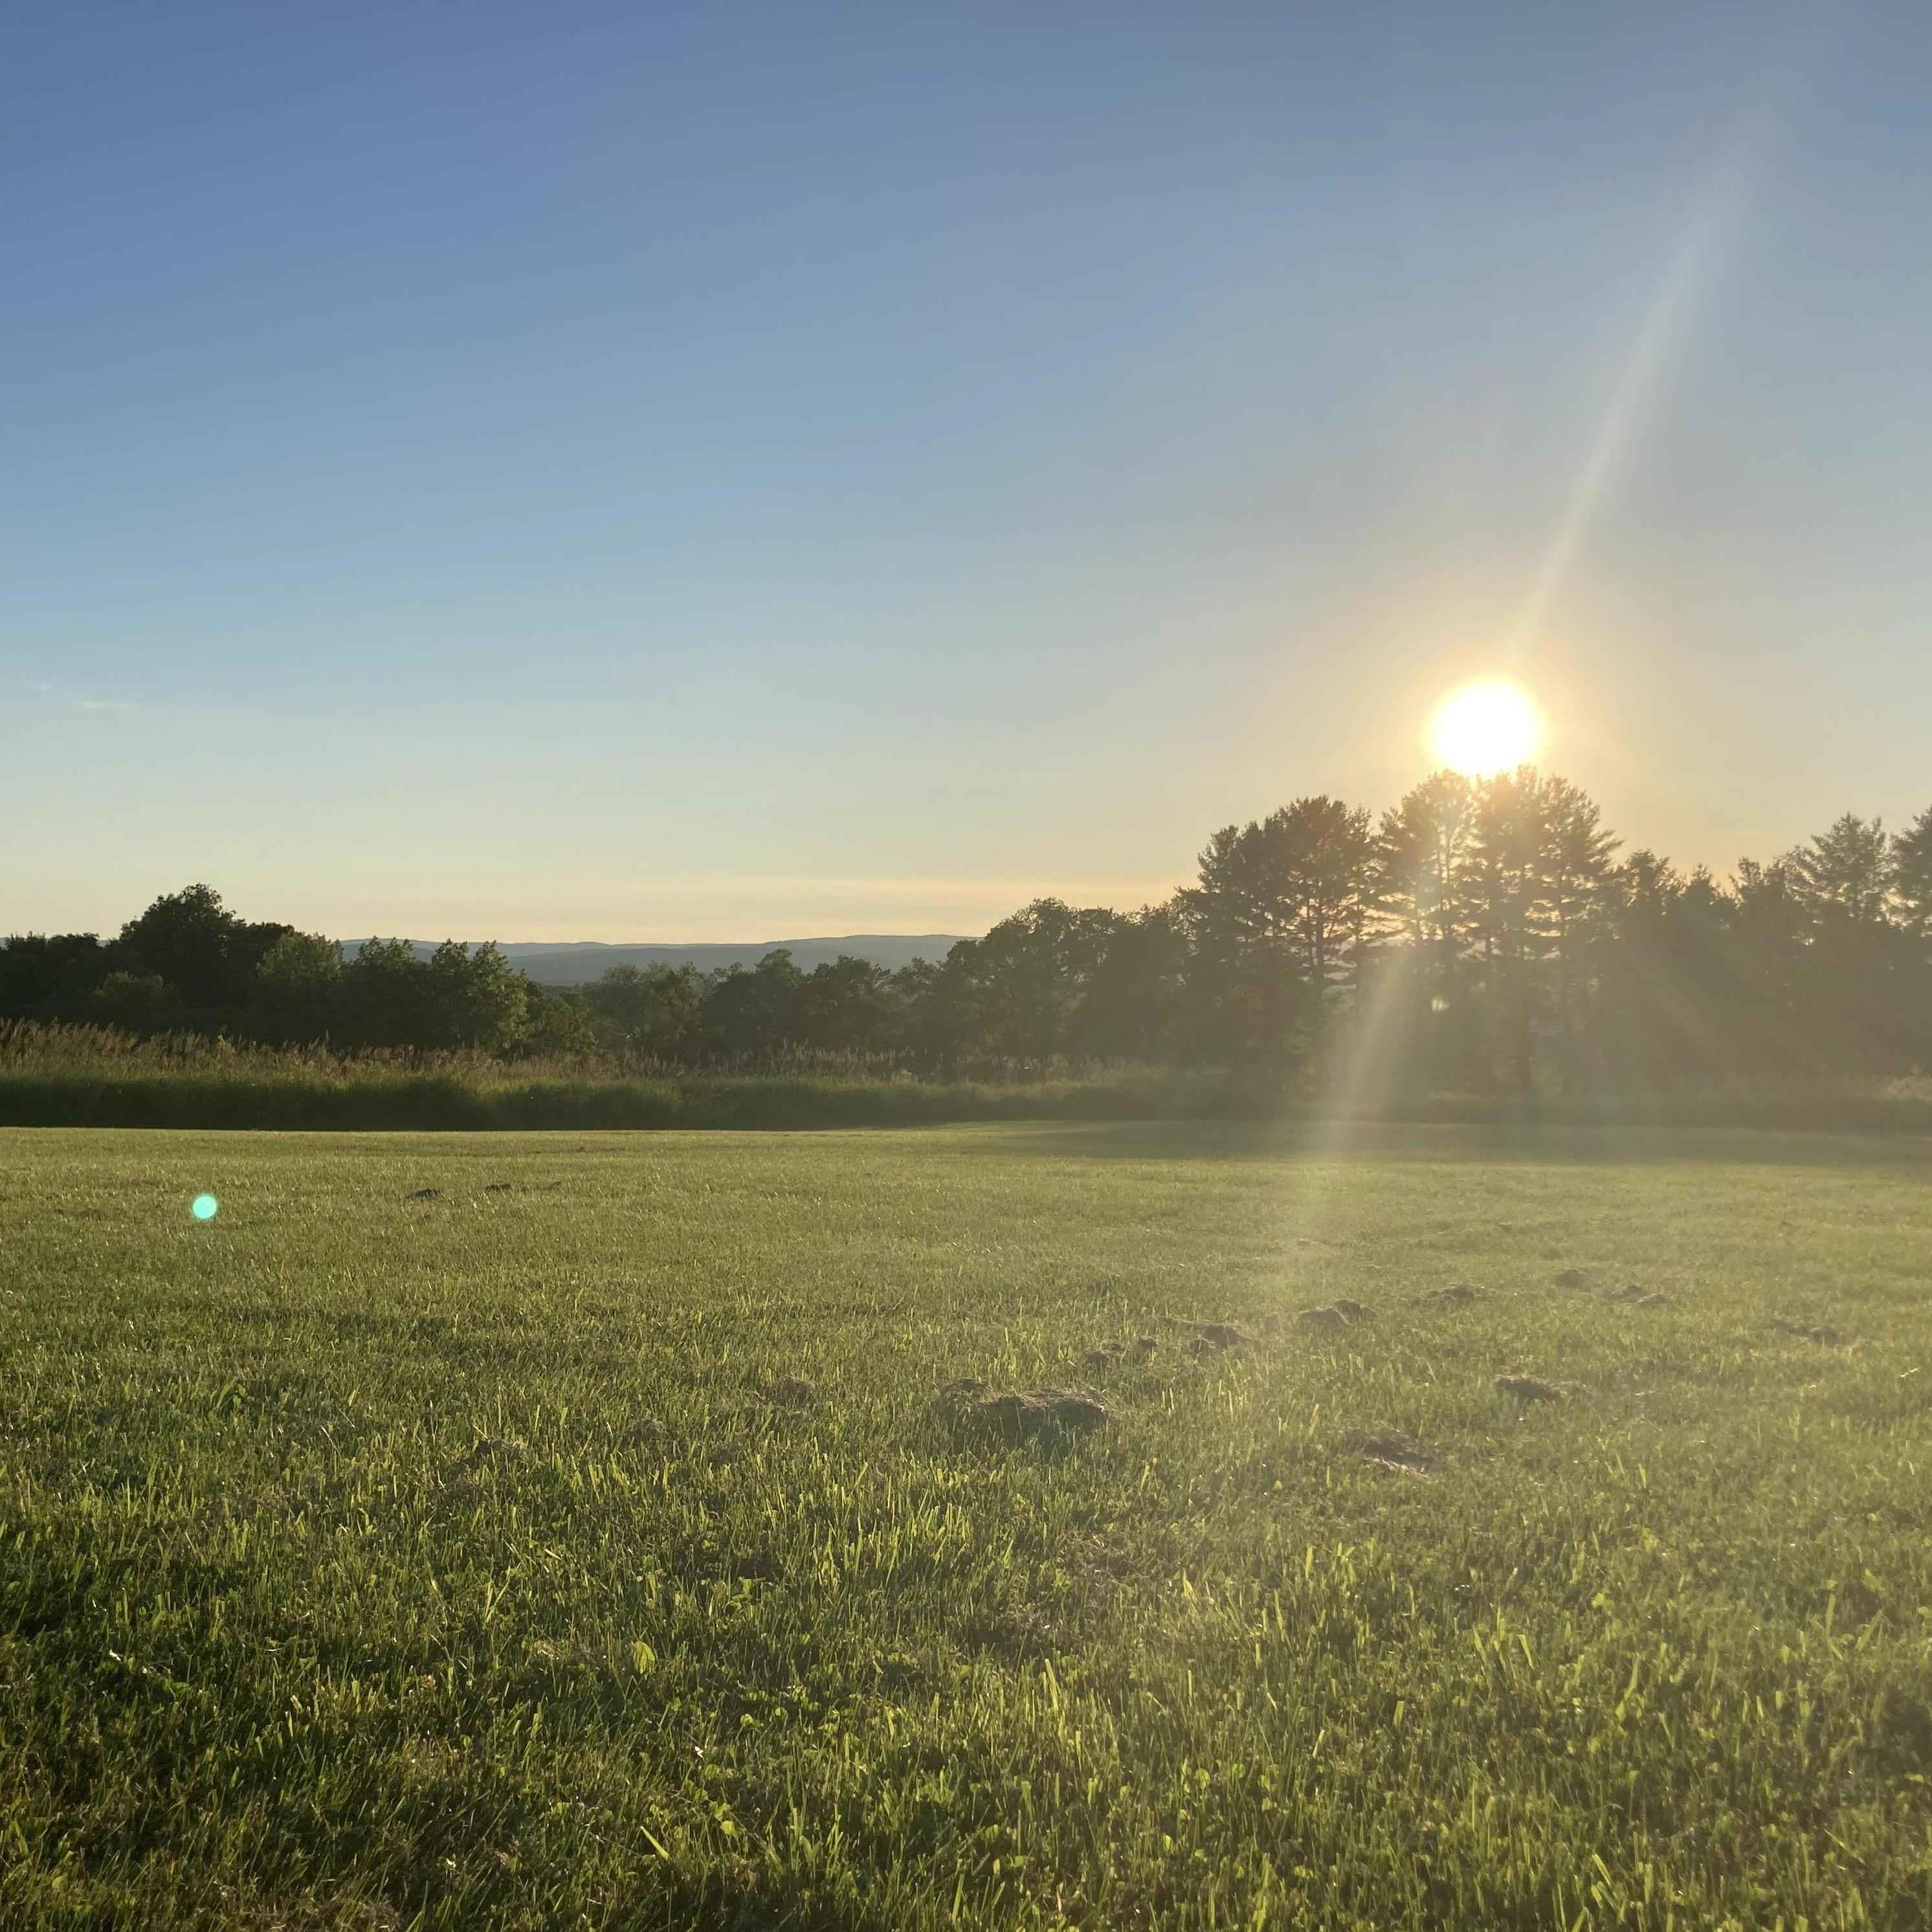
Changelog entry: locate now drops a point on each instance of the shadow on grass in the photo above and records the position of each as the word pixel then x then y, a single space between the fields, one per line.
pixel 1436 1143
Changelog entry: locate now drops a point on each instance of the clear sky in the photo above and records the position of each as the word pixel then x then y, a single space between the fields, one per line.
pixel 639 472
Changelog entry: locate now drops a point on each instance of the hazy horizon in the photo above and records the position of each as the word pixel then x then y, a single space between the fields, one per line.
pixel 577 476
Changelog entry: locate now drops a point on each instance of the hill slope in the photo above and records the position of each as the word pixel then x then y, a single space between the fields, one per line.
pixel 572 962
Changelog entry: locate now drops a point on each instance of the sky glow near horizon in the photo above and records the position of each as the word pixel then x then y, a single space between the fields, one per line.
pixel 722 474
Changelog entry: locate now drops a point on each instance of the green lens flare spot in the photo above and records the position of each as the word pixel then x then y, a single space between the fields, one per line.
pixel 204 1207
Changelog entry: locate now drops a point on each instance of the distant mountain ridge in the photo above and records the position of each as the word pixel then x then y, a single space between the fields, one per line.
pixel 570 962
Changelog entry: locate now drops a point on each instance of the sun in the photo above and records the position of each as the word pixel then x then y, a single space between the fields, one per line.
pixel 1490 726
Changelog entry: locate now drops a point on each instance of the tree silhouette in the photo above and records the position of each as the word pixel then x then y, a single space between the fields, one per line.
pixel 1481 935
pixel 1911 875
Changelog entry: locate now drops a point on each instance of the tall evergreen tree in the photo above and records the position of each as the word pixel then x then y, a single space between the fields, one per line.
pixel 1423 845
pixel 1577 863
pixel 1508 892
pixel 1846 869
pixel 1912 875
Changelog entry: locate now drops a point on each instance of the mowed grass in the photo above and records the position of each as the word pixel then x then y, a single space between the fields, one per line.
pixel 373 1558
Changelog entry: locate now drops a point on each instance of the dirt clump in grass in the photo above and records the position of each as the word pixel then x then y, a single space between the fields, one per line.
pixel 1327 1320
pixel 1106 1355
pixel 1383 1446
pixel 1528 1388
pixel 1207 1337
pixel 1634 1294
pixel 1020 1415
pixel 1457 1295
pixel 766 1395
pixel 1823 1333
pixel 1569 1277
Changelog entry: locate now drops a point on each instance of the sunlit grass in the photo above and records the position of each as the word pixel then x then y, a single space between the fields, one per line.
pixel 444 1535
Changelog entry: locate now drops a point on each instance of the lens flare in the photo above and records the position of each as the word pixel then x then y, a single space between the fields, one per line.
pixel 204 1207
pixel 1487 727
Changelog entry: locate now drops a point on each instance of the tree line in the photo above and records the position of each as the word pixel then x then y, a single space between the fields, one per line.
pixel 1481 935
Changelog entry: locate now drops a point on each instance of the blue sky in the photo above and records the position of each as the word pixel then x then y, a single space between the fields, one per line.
pixel 620 471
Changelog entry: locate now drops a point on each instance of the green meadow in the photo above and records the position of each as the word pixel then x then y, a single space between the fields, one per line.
pixel 534 1531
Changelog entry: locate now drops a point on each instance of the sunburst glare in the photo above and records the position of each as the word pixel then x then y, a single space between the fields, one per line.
pixel 1486 726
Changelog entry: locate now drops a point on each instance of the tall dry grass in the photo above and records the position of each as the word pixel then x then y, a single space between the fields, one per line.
pixel 67 1076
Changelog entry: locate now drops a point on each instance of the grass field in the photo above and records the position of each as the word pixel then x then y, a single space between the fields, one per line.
pixel 584 1542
